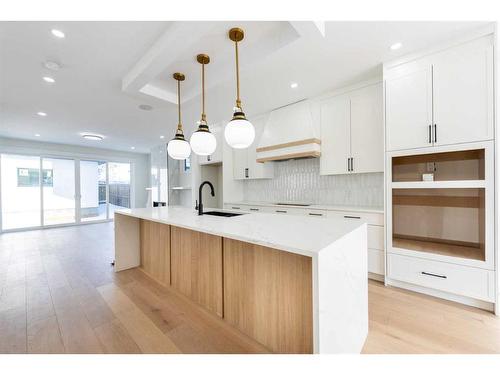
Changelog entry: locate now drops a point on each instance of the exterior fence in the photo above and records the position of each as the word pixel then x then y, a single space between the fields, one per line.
pixel 119 194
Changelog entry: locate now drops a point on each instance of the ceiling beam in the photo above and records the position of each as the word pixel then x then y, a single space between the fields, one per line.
pixel 177 37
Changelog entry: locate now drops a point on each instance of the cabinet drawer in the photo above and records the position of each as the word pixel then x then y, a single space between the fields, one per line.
pixel 375 237
pixel 376 261
pixel 368 217
pixel 461 280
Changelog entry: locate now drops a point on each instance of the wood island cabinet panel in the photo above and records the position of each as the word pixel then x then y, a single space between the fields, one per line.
pixel 155 250
pixel 268 296
pixel 197 267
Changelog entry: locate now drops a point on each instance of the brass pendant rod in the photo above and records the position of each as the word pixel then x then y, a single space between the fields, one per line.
pixel 179 126
pixel 203 116
pixel 238 101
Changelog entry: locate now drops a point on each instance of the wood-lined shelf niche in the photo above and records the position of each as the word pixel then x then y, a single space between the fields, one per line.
pixel 448 221
pixel 446 166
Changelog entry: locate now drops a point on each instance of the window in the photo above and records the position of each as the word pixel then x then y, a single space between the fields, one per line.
pixel 28 177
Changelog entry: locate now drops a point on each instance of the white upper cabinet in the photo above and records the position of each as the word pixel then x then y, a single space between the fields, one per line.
pixel 245 165
pixel 367 130
pixel 408 102
pixel 352 139
pixel 441 99
pixel 463 93
pixel 335 135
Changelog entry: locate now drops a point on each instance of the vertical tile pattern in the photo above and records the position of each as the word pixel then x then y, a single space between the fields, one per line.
pixel 300 181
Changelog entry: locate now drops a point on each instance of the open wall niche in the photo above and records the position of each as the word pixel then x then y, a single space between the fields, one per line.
pixel 442 221
pixel 445 166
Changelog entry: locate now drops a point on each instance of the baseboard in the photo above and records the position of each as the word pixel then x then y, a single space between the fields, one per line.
pixel 376 276
pixel 489 306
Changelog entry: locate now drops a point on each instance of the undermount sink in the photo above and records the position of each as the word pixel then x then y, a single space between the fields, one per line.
pixel 219 213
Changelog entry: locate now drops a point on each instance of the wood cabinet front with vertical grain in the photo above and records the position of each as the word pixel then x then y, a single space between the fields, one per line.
pixel 268 296
pixel 155 250
pixel 197 267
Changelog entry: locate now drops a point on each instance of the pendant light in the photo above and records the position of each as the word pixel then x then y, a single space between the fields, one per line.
pixel 178 148
pixel 239 132
pixel 202 141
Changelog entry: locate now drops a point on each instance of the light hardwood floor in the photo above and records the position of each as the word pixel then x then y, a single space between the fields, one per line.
pixel 59 294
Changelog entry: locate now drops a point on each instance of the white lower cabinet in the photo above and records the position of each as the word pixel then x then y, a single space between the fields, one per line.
pixel 460 280
pixel 376 261
pixel 375 221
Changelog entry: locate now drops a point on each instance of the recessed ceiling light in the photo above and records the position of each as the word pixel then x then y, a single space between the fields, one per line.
pixel 57 33
pixel 132 148
pixel 43 114
pixel 93 137
pixel 162 136
pixel 52 65
pixel 37 135
pixel 294 85
pixel 49 79
pixel 145 107
pixel 396 46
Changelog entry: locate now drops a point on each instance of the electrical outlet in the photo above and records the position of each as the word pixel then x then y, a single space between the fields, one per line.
pixel 431 167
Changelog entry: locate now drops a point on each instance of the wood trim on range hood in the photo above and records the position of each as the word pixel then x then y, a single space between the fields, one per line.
pixel 289 144
pixel 299 155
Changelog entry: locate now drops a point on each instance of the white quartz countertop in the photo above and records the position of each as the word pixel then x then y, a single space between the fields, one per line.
pixel 296 234
pixel 378 210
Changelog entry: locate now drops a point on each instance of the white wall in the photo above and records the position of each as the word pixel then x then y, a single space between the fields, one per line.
pixel 139 162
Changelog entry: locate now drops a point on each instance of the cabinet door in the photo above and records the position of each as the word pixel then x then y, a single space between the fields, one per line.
pixel 335 135
pixel 367 130
pixel 239 164
pixel 463 93
pixel 408 107
pixel 216 157
pixel 258 170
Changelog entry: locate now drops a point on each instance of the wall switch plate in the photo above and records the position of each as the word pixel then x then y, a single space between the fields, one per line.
pixel 431 167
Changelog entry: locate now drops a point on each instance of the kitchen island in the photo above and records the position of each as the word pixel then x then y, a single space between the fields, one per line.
pixel 295 284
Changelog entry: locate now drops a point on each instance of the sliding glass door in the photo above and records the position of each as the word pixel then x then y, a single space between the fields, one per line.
pixel 58 185
pixel 93 190
pixel 20 189
pixel 46 191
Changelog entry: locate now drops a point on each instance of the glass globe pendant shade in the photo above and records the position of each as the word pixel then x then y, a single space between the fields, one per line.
pixel 203 142
pixel 239 132
pixel 178 149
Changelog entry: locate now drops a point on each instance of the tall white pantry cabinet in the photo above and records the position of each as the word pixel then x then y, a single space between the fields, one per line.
pixel 439 123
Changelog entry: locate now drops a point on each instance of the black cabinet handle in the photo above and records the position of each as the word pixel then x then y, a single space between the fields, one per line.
pixel 433 275
pixel 254 209
pixel 314 214
pixel 435 134
pixel 352 164
pixel 281 211
pixel 235 208
pixel 209 158
pixel 352 217
pixel 430 133
pixel 348 164
pixel 246 172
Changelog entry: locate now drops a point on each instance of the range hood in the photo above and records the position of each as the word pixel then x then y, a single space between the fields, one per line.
pixel 289 133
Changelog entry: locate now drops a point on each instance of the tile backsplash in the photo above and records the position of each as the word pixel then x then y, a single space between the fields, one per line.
pixel 299 181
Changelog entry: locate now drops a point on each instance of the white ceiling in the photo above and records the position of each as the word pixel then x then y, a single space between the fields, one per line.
pixel 106 64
